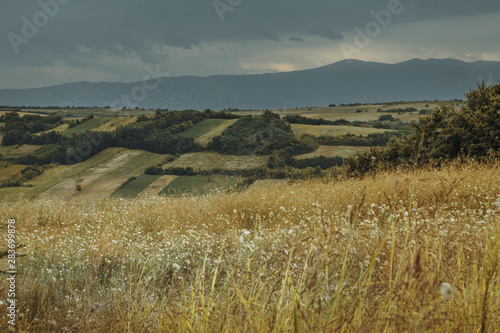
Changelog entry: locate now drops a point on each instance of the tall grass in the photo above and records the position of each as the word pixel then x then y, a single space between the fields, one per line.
pixel 315 256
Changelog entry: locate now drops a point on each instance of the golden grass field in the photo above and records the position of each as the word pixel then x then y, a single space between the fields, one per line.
pixel 333 130
pixel 406 251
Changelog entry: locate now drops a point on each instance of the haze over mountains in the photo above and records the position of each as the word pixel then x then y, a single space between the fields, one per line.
pixel 348 81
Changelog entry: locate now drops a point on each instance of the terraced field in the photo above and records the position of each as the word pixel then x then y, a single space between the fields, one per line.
pixel 300 129
pixel 209 160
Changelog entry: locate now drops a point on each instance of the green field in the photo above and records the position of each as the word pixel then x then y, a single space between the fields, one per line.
pixel 86 126
pixel 203 128
pixel 199 185
pixel 132 189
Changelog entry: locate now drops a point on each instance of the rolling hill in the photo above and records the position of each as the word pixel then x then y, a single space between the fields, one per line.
pixel 348 81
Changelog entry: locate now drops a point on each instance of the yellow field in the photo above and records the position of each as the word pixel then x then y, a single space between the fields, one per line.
pixel 334 151
pixel 324 130
pixel 408 251
pixel 207 161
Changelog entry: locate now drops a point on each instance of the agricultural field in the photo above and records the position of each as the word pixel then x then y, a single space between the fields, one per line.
pixel 86 126
pixel 204 139
pixel 97 177
pixel 22 113
pixel 9 171
pixel 134 188
pixel 333 130
pixel 203 128
pixel 199 185
pixel 406 251
pixel 58 129
pixel 15 151
pixel 114 123
pixel 210 160
pixel 334 151
pixel 157 186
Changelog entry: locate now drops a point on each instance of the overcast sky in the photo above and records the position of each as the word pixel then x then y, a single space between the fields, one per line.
pixel 50 42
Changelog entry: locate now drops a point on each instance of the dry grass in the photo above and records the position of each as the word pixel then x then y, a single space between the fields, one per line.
pixel 325 130
pixel 318 256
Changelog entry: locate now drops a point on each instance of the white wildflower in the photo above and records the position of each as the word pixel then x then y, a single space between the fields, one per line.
pixel 176 266
pixel 446 291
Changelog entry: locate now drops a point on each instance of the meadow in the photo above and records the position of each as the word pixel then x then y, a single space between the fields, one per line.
pixel 401 251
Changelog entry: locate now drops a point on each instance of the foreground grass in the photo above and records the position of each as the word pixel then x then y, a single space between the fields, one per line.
pixel 351 256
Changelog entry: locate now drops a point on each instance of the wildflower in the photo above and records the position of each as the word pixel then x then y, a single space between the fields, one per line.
pixel 283 209
pixel 446 291
pixel 176 267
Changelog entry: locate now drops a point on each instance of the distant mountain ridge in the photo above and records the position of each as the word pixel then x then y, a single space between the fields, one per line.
pixel 347 81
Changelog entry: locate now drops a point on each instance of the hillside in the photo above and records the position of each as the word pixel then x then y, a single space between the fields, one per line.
pixel 405 251
pixel 349 81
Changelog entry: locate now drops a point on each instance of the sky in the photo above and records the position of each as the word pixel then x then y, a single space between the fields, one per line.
pixel 50 42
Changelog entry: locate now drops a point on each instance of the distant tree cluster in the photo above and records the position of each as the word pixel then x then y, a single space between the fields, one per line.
pixel 298 119
pixel 258 135
pixel 445 134
pixel 17 129
pixel 78 121
pixel 370 140
pixel 399 110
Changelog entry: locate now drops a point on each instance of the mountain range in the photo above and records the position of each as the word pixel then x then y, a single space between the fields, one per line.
pixel 347 81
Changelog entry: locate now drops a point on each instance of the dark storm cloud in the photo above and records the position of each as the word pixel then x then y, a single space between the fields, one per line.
pixel 125 26
pixel 82 31
pixel 327 32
